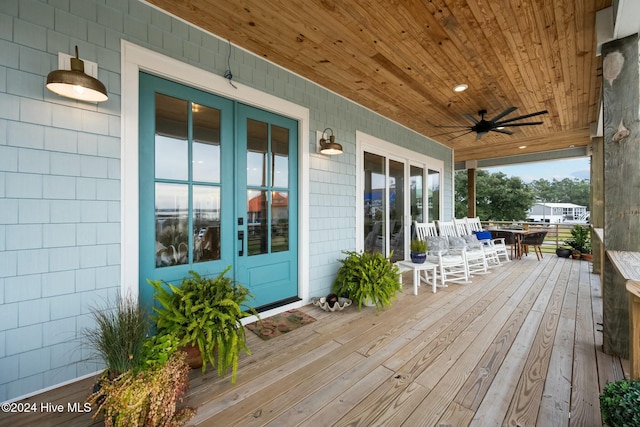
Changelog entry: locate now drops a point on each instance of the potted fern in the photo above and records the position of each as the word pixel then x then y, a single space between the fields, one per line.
pixel 367 276
pixel 205 312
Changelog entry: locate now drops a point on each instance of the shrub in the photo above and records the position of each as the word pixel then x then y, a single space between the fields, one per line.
pixel 620 403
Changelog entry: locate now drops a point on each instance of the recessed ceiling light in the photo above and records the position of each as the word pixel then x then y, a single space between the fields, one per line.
pixel 522 146
pixel 460 88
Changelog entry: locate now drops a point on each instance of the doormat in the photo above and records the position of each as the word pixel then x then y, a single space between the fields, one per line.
pixel 279 324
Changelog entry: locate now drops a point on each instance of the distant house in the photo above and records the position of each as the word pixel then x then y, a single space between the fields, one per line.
pixel 556 212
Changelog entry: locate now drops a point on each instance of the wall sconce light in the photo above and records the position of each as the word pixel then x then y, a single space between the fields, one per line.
pixel 330 147
pixel 76 84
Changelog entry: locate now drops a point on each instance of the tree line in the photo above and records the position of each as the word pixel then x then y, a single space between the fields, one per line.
pixel 503 198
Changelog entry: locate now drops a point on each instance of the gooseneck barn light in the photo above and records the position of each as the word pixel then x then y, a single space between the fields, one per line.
pixel 76 84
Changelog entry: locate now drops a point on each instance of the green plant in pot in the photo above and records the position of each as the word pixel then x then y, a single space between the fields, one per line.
pixel 418 251
pixel 145 378
pixel 580 239
pixel 620 403
pixel 367 276
pixel 205 312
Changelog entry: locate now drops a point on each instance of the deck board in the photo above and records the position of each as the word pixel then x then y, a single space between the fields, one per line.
pixel 585 404
pixel 518 346
pixel 556 398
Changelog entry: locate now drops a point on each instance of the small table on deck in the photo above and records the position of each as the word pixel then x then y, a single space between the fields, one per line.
pixel 407 265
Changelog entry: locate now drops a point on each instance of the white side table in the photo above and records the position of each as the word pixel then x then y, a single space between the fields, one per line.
pixel 407 265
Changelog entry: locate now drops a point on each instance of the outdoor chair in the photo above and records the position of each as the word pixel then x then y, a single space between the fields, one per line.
pixel 465 231
pixel 452 263
pixel 461 227
pixel 534 240
pixel 497 243
pixel 473 224
pixel 446 228
pixel 502 240
pixel 476 256
pixel 425 229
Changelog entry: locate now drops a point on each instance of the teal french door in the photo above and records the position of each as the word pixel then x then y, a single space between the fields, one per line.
pixel 218 189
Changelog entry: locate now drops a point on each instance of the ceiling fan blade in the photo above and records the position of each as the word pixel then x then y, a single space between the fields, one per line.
pixel 521 117
pixel 504 113
pixel 451 132
pixel 442 126
pixel 521 124
pixel 456 137
pixel 505 131
pixel 472 119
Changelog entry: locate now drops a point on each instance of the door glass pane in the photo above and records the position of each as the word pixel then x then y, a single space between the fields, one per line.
pixel 434 195
pixel 206 144
pixel 396 210
pixel 257 149
pixel 258 222
pixel 172 222
pixel 374 203
pixel 206 223
pixel 171 138
pixel 279 221
pixel 416 178
pixel 280 156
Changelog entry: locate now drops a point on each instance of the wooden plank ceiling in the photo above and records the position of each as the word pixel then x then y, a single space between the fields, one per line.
pixel 402 58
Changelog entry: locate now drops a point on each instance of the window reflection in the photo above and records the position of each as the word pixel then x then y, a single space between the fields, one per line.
pixel 416 188
pixel 206 223
pixel 279 221
pixel 206 144
pixel 280 156
pixel 396 210
pixel 374 202
pixel 171 138
pixel 434 195
pixel 257 148
pixel 171 221
pixel 257 227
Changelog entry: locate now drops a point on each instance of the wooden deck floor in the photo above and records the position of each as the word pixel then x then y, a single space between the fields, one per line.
pixel 517 347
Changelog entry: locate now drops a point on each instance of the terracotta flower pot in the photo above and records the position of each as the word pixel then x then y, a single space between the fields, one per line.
pixel 587 257
pixel 194 358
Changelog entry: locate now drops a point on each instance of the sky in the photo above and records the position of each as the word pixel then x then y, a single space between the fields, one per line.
pixel 558 169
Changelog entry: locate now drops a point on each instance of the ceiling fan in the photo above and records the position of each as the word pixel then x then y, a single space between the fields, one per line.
pixel 483 126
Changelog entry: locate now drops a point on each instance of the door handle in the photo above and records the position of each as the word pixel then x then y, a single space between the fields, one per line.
pixel 241 240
